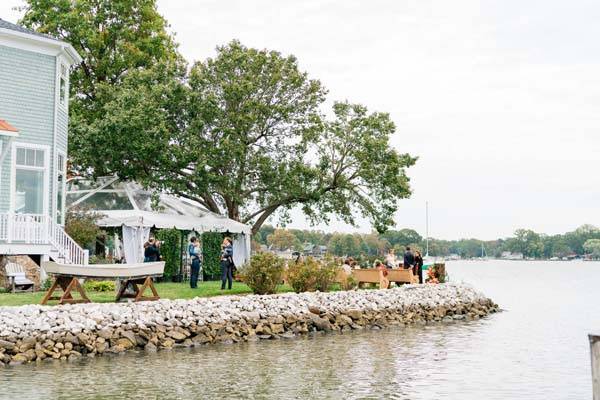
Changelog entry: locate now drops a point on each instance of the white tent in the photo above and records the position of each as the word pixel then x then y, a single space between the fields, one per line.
pixel 129 205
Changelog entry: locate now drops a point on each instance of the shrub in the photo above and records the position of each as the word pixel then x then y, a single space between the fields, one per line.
pixel 47 284
pixel 100 286
pixel 327 274
pixel 211 254
pixel 263 273
pixel 170 250
pixel 302 276
pixel 80 224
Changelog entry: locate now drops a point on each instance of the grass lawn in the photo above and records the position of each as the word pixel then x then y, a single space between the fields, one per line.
pixel 166 290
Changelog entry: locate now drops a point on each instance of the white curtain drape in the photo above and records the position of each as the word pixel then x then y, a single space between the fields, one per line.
pixel 134 238
pixel 241 249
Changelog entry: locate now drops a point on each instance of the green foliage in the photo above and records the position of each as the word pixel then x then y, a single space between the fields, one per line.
pixel 211 254
pixel 302 276
pixel 170 250
pixel 282 239
pixel 100 260
pixel 263 273
pixel 115 38
pixel 47 284
pixel 251 141
pixel 80 224
pixel 592 247
pixel 309 274
pixel 99 286
pixel 327 274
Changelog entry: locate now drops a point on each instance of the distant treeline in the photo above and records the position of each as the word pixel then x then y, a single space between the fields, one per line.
pixel 584 240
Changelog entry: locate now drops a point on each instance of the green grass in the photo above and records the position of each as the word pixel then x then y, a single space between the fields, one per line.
pixel 166 290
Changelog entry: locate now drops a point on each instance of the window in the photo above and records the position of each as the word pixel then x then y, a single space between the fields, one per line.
pixel 30 190
pixel 62 93
pixel 60 188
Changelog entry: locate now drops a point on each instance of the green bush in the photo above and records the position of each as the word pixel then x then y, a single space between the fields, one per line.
pixel 263 273
pixel 302 276
pixel 211 254
pixel 100 260
pixel 99 286
pixel 170 250
pixel 327 274
pixel 80 224
pixel 47 284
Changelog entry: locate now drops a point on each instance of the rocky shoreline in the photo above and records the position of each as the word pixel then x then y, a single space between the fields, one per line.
pixel 36 333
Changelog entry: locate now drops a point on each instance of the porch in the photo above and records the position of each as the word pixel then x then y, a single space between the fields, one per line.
pixel 38 234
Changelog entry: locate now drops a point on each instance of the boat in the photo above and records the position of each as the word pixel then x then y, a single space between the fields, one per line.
pixel 109 271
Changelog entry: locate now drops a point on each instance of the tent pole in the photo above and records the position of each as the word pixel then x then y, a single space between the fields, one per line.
pixel 181 256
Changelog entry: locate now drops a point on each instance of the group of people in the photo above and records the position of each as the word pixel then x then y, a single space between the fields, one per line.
pixel 410 260
pixel 152 254
pixel 226 262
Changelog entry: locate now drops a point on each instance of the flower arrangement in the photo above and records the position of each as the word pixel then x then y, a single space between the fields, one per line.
pixel 436 274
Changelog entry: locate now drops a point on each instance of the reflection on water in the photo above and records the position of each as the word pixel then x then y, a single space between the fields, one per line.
pixel 535 350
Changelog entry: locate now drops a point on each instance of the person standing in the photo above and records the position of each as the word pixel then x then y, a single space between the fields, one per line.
pixel 152 251
pixel 227 263
pixel 419 265
pixel 409 259
pixel 390 259
pixel 194 252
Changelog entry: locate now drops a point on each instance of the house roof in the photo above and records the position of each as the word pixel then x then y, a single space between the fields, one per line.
pixel 7 129
pixel 25 33
pixel 14 27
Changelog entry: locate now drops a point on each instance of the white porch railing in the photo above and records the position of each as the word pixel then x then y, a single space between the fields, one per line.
pixel 41 229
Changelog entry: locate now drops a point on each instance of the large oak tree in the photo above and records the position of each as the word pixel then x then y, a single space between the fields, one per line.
pixel 242 133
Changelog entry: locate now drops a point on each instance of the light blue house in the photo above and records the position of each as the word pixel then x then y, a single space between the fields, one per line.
pixel 34 109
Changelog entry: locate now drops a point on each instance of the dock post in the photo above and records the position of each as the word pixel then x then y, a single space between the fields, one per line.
pixel 595 354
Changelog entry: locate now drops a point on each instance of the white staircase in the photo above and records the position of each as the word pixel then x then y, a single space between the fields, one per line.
pixel 41 230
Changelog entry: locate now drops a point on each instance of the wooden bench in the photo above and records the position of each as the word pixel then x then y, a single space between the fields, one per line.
pixel 374 275
pixel 17 279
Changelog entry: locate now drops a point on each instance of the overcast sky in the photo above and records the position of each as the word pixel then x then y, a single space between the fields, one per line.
pixel 499 99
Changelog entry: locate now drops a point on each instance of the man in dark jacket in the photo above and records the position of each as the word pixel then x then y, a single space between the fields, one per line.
pixel 409 259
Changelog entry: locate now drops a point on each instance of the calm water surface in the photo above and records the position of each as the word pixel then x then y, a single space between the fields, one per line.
pixel 536 349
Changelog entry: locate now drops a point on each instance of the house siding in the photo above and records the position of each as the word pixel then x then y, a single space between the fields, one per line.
pixel 27 96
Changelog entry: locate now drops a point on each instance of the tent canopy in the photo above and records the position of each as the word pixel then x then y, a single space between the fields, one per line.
pixel 129 204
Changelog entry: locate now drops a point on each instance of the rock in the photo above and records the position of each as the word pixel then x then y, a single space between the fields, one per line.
pixel 105 333
pixel 5 344
pixel 354 314
pixel 277 328
pixel 125 343
pixel 19 359
pixel 27 343
pixel 314 310
pixel 321 324
pixel 101 347
pixel 150 347
pixel 129 336
pixel 176 335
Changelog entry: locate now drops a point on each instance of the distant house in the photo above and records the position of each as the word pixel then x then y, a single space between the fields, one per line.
pixel 507 255
pixel 34 109
pixel 316 251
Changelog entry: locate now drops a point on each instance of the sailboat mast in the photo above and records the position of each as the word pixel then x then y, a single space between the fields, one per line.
pixel 426 229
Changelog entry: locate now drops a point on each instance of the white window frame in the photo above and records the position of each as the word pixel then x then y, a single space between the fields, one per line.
pixel 57 155
pixel 62 101
pixel 13 174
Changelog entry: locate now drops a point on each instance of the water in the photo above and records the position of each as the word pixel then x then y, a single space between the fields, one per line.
pixel 537 349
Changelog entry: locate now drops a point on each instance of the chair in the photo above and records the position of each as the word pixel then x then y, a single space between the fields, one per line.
pixel 17 279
